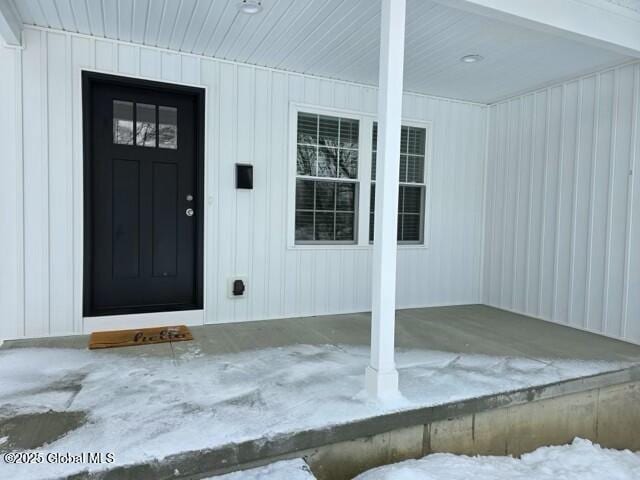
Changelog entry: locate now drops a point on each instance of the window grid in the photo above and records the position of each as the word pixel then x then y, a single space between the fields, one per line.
pixel 333 145
pixel 145 125
pixel 405 233
pixel 336 212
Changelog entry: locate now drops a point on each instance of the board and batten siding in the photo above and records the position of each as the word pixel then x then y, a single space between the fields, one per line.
pixel 562 237
pixel 246 231
pixel 11 237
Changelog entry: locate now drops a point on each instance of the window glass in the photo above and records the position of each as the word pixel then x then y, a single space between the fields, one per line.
pixel 145 125
pixel 327 162
pixel 325 210
pixel 412 184
pixel 326 185
pixel 168 127
pixel 307 160
pixel 348 162
pixel 307 129
pixel 122 122
pixel 349 132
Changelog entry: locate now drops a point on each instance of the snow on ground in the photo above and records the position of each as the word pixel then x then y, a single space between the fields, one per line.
pixel 582 460
pixel 144 407
pixel 286 470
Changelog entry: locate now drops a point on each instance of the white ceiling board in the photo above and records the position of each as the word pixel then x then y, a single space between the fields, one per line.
pixel 633 5
pixel 10 24
pixel 594 22
pixel 340 39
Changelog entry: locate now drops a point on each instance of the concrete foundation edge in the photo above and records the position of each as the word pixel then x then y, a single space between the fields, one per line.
pixel 604 408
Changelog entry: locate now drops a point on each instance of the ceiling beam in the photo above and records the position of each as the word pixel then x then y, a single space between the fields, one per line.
pixel 586 21
pixel 10 24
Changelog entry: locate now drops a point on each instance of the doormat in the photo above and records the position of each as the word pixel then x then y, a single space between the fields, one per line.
pixel 139 336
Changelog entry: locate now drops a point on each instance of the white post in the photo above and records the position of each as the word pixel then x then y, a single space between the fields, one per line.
pixel 381 377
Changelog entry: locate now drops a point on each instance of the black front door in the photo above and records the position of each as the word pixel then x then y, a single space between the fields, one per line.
pixel 143 196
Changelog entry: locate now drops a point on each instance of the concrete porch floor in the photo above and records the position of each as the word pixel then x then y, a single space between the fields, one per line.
pixel 473 329
pixel 457 330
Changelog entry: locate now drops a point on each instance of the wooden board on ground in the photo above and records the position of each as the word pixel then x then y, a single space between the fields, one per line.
pixel 139 336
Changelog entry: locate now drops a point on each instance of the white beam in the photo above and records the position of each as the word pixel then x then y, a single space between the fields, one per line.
pixel 10 24
pixel 381 376
pixel 587 21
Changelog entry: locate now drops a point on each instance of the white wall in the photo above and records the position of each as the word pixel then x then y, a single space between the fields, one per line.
pixel 247 121
pixel 11 302
pixel 563 211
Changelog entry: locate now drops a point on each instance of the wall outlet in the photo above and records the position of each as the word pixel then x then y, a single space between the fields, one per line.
pixel 237 287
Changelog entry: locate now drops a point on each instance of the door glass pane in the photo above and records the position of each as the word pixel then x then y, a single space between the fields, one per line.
pixel 122 122
pixel 168 119
pixel 145 125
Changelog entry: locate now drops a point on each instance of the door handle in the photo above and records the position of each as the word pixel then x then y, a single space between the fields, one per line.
pixel 189 212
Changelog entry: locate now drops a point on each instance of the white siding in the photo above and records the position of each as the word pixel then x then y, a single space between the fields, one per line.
pixel 563 209
pixel 11 245
pixel 247 121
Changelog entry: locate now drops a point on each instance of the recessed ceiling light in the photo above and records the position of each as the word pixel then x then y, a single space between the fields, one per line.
pixel 250 7
pixel 472 58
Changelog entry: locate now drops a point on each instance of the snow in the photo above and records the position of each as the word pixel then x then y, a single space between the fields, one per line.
pixel 144 407
pixel 582 460
pixel 285 470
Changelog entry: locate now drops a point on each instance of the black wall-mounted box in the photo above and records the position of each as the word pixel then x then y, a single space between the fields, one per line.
pixel 244 176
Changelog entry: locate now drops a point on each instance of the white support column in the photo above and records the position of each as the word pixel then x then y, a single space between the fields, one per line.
pixel 381 376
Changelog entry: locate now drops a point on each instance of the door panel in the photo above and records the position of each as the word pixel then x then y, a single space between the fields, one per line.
pixel 126 218
pixel 165 220
pixel 143 162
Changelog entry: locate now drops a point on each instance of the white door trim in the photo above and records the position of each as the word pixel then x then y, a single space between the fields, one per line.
pixel 142 320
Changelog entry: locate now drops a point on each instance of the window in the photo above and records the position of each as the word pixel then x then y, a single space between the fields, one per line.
pixel 145 125
pixel 412 184
pixel 147 120
pixel 122 122
pixel 168 120
pixel 326 179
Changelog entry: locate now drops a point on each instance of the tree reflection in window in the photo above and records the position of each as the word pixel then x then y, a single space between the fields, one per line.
pixel 327 178
pixel 145 125
pixel 168 120
pixel 122 122
pixel 154 126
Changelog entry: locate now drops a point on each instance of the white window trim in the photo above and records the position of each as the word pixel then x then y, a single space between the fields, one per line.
pixel 364 178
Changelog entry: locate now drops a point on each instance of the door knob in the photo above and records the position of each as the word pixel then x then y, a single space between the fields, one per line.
pixel 189 212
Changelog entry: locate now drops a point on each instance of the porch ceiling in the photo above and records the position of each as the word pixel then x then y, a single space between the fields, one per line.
pixel 340 39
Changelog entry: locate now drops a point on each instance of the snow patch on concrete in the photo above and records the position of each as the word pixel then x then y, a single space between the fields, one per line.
pixel 286 470
pixel 582 460
pixel 147 407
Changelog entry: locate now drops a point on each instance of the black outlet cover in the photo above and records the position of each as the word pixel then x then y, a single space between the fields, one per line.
pixel 238 288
